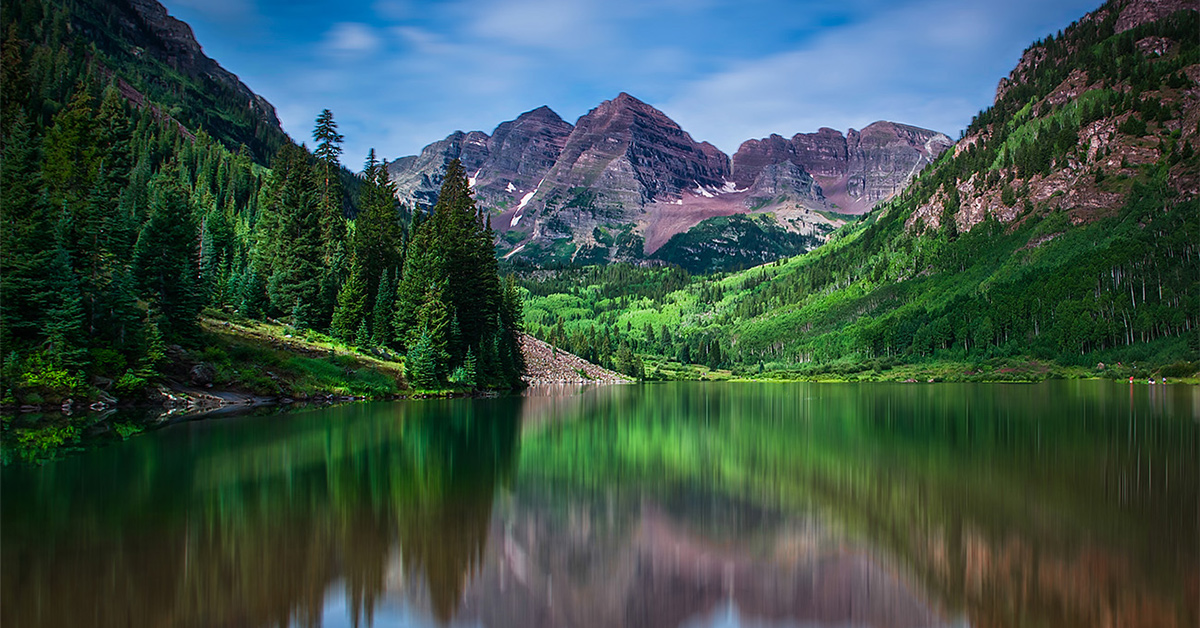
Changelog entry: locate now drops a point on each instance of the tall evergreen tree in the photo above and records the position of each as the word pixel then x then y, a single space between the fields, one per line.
pixel 453 249
pixel 381 315
pixel 166 257
pixel 352 305
pixel 25 226
pixel 289 237
pixel 334 248
pixel 377 234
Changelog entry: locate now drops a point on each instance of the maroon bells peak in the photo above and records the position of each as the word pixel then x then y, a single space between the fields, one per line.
pixel 625 179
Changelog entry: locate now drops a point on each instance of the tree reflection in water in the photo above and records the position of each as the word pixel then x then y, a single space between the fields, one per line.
pixel 248 522
pixel 1066 504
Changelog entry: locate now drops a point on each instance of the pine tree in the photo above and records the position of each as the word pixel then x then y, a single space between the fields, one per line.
pixel 352 305
pixel 420 366
pixel 70 151
pixel 166 257
pixel 328 151
pixel 289 246
pixel 433 323
pixel 334 246
pixel 511 328
pixel 64 317
pixel 381 315
pixel 422 268
pixel 377 238
pixel 25 222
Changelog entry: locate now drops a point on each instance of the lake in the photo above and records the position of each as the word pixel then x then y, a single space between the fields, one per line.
pixel 1067 503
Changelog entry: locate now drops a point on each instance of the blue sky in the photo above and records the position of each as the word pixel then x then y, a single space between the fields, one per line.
pixel 399 74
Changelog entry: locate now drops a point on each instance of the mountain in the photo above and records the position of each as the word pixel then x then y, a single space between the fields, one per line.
pixel 1062 226
pixel 1058 236
pixel 628 183
pixel 156 63
pixel 515 158
pixel 855 171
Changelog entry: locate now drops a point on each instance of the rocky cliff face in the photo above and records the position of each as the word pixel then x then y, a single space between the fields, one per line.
pixel 418 178
pixel 855 171
pixel 626 178
pixel 639 152
pixel 173 42
pixel 504 167
pixel 521 152
pixel 1086 178
pixel 1129 14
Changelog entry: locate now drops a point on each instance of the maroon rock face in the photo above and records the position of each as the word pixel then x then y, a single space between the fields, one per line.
pixel 856 170
pixel 503 166
pixel 626 163
pixel 636 153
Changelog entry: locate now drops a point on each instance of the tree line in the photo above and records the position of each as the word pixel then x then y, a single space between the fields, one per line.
pixel 120 226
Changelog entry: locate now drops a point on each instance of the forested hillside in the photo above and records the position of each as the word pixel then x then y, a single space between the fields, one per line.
pixel 1063 227
pixel 151 59
pixel 124 218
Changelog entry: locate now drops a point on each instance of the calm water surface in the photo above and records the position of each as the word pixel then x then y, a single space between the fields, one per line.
pixel 691 504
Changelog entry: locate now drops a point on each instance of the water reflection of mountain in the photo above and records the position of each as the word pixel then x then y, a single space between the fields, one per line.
pixel 675 505
pixel 1066 504
pixel 656 570
pixel 249 523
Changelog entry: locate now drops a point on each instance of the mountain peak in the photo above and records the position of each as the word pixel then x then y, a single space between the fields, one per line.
pixel 543 113
pixel 627 98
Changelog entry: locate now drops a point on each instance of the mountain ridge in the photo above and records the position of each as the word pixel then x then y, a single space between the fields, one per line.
pixel 625 179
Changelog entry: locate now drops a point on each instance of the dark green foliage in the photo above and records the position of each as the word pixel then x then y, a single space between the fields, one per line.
pixel 1133 126
pixel 165 259
pixel 451 256
pixel 290 242
pixel 118 222
pixel 351 307
pixel 330 203
pixel 377 241
pixel 428 359
pixel 732 243
pixel 381 314
pixel 95 40
pixel 26 237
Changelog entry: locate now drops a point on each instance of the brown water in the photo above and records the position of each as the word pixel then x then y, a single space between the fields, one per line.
pixel 690 504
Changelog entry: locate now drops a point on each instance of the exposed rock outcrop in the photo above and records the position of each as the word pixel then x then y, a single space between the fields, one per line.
pixel 173 42
pixel 1083 180
pixel 418 178
pixel 547 364
pixel 626 178
pixel 854 171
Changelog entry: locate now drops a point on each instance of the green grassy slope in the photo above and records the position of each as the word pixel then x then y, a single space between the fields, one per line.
pixel 989 257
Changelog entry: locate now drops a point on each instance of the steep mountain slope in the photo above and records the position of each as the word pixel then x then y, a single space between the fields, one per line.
pixel 855 171
pixel 507 165
pixel 1064 227
pixel 156 62
pixel 627 183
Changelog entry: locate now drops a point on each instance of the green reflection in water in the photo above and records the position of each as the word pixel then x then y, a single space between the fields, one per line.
pixel 1065 503
pixel 248 521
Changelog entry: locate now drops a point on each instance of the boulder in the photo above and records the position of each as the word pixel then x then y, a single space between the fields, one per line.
pixel 202 374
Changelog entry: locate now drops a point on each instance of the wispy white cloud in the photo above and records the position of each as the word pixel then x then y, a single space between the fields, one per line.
pixel 399 74
pixel 561 25
pixel 352 38
pixel 394 10
pixel 934 64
